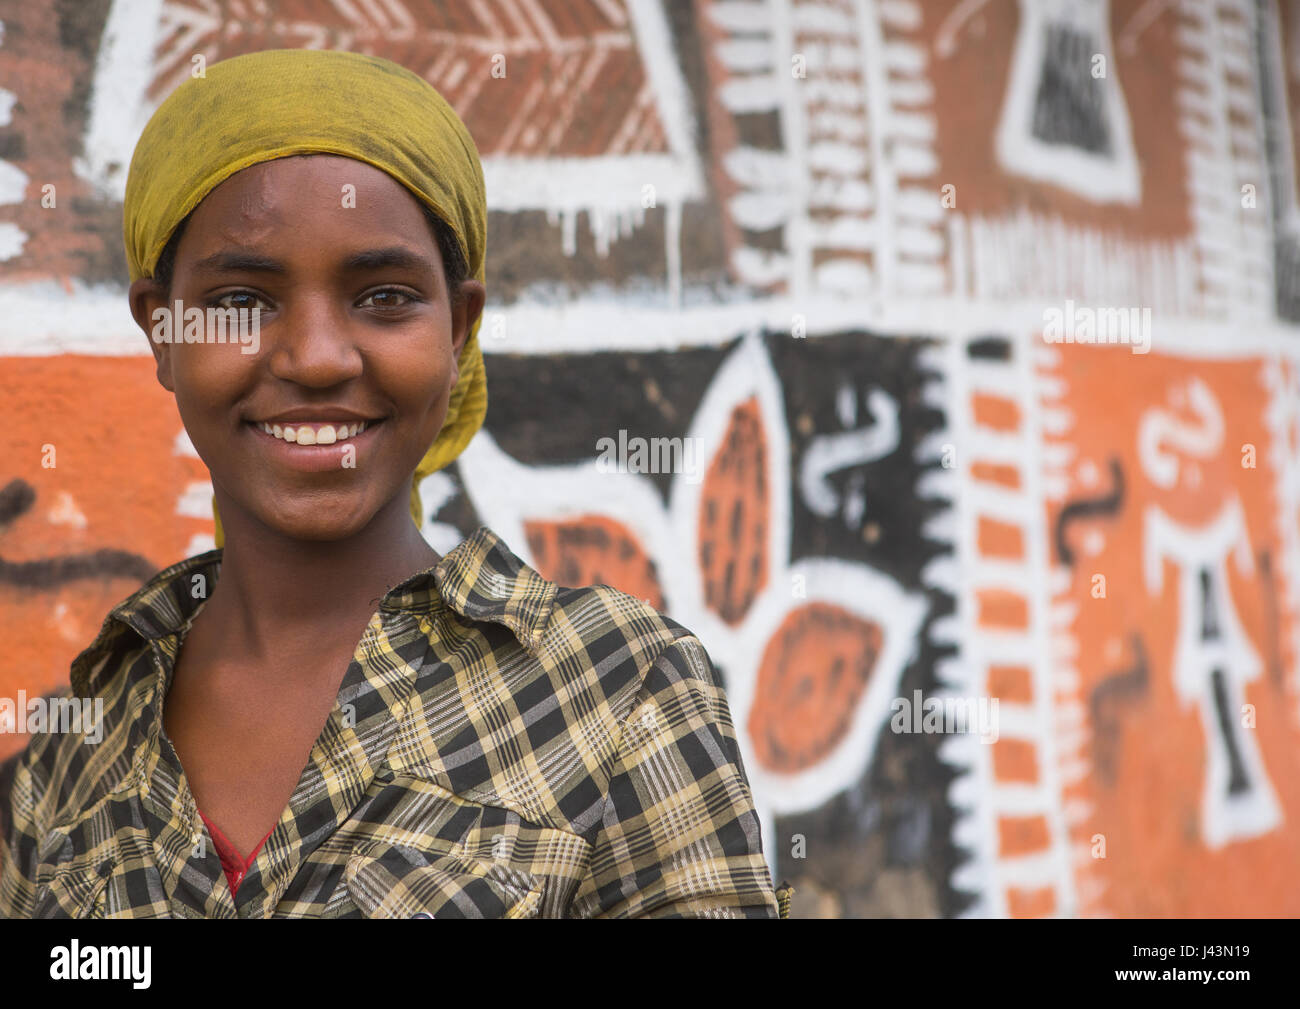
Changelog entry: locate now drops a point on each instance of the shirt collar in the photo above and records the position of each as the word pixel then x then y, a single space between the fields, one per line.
pixel 480 579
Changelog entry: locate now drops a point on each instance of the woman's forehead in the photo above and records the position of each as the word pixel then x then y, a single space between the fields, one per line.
pixel 331 175
pixel 304 190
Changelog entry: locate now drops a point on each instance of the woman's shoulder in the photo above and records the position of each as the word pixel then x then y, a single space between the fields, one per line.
pixel 590 613
pixel 593 677
pixel 592 627
pixel 593 641
pixel 90 715
pixel 618 648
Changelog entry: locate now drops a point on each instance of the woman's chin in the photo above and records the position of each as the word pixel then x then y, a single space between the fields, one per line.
pixel 324 524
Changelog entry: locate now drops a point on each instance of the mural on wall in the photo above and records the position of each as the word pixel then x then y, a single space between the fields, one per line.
pixel 1276 37
pixel 951 349
pixel 792 540
pixel 1169 600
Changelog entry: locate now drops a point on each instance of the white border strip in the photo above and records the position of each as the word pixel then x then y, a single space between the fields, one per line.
pixel 43 319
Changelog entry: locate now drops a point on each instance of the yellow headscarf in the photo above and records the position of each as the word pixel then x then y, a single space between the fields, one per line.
pixel 272 104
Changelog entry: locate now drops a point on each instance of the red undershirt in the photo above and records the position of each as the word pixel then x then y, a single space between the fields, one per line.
pixel 234 864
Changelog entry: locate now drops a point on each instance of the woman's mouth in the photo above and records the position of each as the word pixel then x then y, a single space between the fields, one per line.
pixel 314 432
pixel 317 446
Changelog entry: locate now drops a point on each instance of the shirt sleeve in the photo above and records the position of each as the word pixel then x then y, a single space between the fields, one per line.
pixel 679 836
pixel 19 836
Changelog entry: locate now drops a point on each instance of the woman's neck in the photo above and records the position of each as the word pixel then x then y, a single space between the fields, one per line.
pixel 279 596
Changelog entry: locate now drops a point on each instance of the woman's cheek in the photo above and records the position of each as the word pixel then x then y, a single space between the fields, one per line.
pixel 212 375
pixel 425 389
pixel 207 390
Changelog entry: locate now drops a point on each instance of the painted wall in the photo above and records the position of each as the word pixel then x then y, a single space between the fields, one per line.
pixel 838 247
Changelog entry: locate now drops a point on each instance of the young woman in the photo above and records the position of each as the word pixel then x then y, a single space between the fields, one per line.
pixel 323 717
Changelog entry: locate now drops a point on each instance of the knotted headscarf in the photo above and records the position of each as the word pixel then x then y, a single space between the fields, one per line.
pixel 272 104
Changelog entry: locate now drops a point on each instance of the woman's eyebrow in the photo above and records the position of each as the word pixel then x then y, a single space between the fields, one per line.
pixel 396 256
pixel 241 262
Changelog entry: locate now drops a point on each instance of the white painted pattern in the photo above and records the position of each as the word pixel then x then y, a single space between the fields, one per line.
pixel 1101 178
pixel 978 797
pixel 974 829
pixel 607 189
pixel 1233 243
pixel 43 318
pixel 913 262
pixel 1025 254
pixel 1072 740
pixel 763 177
pixel 1280 379
pixel 13 181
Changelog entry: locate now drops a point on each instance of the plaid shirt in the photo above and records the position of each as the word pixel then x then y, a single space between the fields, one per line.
pixel 500 747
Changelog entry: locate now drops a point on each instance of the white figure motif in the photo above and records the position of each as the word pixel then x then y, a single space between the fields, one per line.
pixel 1213 656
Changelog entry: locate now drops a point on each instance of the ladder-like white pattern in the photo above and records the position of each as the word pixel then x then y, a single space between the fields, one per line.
pixel 1218 116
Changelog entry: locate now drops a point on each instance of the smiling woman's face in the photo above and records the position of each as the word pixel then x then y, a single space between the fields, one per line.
pixel 356 325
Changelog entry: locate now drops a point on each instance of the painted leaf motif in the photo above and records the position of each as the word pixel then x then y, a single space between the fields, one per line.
pixel 593 550
pixel 734 516
pixel 813 673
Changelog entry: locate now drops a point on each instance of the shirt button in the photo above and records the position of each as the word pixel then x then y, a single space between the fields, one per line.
pixel 422 914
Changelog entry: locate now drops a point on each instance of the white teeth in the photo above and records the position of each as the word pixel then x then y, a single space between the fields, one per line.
pixel 307 434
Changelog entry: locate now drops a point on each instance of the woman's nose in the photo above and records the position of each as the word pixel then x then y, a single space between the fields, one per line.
pixel 312 343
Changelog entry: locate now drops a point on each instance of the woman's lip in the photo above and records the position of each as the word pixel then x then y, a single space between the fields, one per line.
pixel 318 418
pixel 316 458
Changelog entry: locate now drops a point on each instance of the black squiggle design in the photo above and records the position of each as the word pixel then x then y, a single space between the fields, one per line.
pixel 1088 507
pixel 16 498
pixel 1103 704
pixel 1277 671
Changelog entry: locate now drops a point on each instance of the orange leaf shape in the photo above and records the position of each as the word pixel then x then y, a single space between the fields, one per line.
pixel 812 675
pixel 734 516
pixel 593 550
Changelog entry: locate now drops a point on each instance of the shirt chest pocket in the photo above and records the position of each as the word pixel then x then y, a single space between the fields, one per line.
pixel 393 881
pixel 416 849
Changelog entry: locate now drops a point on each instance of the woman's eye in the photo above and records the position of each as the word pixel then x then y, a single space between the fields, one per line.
pixel 386 299
pixel 240 299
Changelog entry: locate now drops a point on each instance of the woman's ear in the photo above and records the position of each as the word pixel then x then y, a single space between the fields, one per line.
pixel 146 297
pixel 465 311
